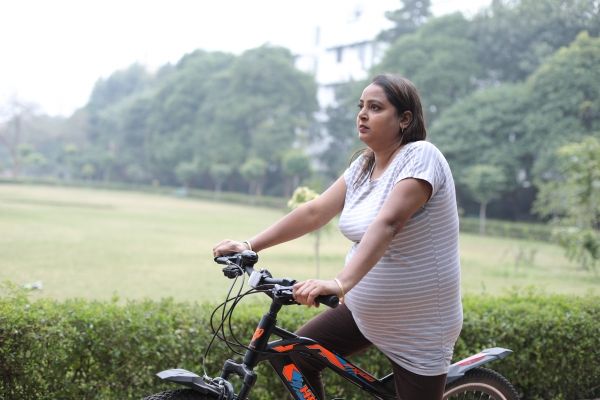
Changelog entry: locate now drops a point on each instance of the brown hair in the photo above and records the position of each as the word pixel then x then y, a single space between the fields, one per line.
pixel 404 96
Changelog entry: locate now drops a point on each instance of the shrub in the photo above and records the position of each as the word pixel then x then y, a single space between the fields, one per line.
pixel 517 230
pixel 78 349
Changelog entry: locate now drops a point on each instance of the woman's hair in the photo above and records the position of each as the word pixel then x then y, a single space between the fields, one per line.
pixel 404 96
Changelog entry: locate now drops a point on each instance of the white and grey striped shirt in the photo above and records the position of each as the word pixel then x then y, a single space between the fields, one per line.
pixel 409 304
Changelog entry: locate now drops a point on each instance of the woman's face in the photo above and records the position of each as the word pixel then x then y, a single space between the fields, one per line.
pixel 378 125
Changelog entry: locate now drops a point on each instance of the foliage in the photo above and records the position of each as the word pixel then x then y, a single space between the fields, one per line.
pixel 439 59
pixel 219 173
pixel 574 201
pixel 487 127
pixel 485 182
pixel 566 90
pixel 173 113
pixel 253 171
pixel 296 164
pixel 519 127
pixel 301 196
pixel 185 172
pixel 407 19
pixel 91 350
pixel 514 37
pixel 13 115
pixel 554 339
pixel 508 229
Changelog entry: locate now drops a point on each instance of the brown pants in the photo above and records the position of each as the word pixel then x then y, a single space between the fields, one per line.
pixel 336 330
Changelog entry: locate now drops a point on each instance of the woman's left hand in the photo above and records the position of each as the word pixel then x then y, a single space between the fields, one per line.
pixel 306 292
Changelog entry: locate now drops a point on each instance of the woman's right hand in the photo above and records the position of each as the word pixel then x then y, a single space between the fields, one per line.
pixel 228 246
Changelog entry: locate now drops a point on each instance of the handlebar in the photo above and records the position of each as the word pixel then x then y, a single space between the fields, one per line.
pixel 279 289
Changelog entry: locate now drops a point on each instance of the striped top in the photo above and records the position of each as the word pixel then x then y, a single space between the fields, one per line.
pixel 409 304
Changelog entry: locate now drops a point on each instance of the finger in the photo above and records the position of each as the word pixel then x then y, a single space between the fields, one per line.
pixel 312 295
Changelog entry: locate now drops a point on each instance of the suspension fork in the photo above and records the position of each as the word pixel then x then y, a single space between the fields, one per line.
pixel 257 345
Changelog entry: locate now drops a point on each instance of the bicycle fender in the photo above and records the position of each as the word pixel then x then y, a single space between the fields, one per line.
pixel 458 369
pixel 187 378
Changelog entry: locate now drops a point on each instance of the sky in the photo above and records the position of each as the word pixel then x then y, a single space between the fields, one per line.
pixel 52 52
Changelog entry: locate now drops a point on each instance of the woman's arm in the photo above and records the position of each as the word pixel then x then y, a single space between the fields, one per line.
pixel 405 199
pixel 304 219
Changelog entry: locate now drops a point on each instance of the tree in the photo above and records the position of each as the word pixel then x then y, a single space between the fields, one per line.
pixel 573 201
pixel 486 182
pixel 565 97
pixel 12 116
pixel 301 196
pixel 177 114
pixel 67 157
pixel 253 171
pixel 185 172
pixel 88 171
pixel 407 19
pixel 439 59
pixel 488 127
pixel 514 37
pixel 219 173
pixel 295 164
pixel 260 108
pixel 118 86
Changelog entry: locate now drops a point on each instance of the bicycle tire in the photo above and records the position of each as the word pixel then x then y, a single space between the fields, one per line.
pixel 180 394
pixel 478 383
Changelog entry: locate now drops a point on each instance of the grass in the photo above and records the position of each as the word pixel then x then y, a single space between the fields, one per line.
pixel 97 244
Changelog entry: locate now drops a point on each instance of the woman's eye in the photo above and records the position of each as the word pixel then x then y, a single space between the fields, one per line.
pixel 360 106
pixel 374 107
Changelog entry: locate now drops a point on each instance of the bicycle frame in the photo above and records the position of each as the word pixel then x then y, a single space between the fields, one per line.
pixel 278 353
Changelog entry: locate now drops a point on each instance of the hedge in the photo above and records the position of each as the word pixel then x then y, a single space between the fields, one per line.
pixel 516 230
pixel 80 349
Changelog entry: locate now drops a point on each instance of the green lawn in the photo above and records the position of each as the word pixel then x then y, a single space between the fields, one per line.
pixel 95 244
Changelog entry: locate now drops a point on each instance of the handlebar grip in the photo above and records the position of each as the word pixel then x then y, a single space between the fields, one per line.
pixel 331 300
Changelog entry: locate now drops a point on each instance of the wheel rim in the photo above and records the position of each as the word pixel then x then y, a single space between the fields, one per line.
pixel 479 391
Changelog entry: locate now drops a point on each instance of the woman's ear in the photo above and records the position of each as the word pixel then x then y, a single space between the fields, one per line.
pixel 405 119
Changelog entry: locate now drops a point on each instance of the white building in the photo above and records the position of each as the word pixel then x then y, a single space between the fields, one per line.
pixel 344 49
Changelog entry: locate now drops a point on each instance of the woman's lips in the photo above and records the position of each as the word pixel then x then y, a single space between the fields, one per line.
pixel 362 128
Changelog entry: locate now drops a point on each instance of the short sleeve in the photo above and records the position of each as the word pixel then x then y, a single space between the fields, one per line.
pixel 423 161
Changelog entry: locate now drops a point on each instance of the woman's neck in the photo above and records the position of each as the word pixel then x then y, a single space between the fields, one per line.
pixel 383 159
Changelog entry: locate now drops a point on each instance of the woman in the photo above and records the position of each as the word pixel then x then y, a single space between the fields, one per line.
pixel 401 282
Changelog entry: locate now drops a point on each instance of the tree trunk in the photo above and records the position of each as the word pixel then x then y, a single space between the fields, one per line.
pixel 259 186
pixel 251 192
pixel 482 217
pixel 218 189
pixel 16 166
pixel 287 188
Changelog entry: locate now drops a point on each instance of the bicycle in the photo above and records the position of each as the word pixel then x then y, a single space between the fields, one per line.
pixel 465 380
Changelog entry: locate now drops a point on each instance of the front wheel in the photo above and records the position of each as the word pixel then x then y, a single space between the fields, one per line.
pixel 479 383
pixel 180 394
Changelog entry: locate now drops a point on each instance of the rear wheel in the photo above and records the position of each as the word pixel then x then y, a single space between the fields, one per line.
pixel 180 394
pixel 481 383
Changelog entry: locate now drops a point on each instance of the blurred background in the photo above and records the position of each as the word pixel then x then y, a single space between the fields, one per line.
pixel 240 103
